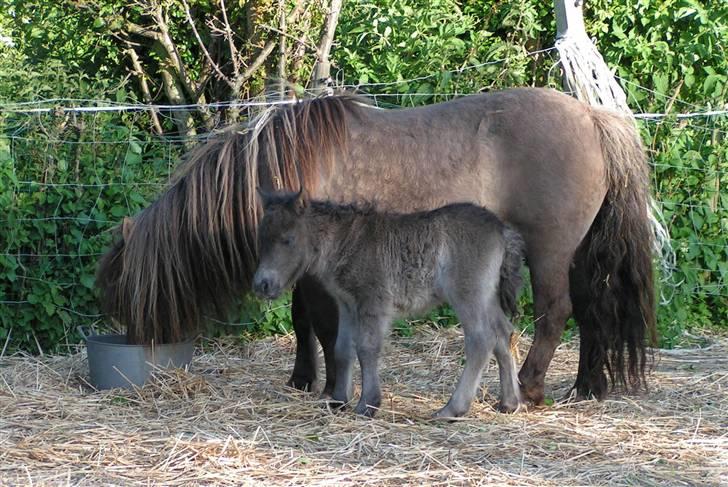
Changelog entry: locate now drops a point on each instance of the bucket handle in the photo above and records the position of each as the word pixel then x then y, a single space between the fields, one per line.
pixel 86 331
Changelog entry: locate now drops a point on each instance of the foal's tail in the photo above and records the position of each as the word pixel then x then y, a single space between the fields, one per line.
pixel 612 285
pixel 510 271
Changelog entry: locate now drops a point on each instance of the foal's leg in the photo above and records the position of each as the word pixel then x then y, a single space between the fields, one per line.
pixel 479 343
pixel 368 340
pixel 325 319
pixel 344 353
pixel 552 307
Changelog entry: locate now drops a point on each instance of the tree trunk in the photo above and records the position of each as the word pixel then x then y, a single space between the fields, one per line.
pixel 322 68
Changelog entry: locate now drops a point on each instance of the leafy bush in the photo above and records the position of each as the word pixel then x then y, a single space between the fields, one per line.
pixel 65 181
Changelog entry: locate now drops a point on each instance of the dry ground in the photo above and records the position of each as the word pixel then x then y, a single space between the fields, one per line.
pixel 231 421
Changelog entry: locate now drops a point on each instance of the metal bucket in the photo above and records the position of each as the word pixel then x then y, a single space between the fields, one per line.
pixel 113 363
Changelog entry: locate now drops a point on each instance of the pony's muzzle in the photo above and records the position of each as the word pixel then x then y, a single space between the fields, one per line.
pixel 266 286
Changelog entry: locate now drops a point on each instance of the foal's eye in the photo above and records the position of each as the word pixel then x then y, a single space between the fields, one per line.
pixel 287 241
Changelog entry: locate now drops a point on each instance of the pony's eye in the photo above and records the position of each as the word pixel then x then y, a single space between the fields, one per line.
pixel 287 241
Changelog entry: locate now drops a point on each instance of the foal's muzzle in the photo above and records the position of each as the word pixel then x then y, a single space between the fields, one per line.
pixel 266 285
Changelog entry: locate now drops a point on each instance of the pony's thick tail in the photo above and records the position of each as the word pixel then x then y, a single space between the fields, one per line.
pixel 511 277
pixel 612 280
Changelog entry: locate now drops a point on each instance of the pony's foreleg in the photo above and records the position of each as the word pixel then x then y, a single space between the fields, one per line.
pixel 552 307
pixel 313 312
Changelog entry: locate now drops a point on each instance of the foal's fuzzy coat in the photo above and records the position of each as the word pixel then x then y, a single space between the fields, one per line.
pixel 379 266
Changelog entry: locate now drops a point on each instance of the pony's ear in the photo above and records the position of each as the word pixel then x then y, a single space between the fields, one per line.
pixel 127 225
pixel 300 201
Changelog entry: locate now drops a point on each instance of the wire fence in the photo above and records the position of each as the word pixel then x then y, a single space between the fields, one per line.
pixel 71 169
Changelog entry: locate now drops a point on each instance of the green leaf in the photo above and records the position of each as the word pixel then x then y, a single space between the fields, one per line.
pixel 88 281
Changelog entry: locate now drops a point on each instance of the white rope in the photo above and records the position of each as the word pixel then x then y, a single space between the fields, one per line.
pixel 588 75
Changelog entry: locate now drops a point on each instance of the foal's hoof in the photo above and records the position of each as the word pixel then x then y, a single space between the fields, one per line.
pixel 328 390
pixel 447 413
pixel 366 410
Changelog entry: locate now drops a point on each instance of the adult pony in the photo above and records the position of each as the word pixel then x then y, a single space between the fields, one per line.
pixel 571 178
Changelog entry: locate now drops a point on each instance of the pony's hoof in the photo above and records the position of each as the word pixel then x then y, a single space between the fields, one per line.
pixel 335 405
pixel 533 396
pixel 304 384
pixel 594 388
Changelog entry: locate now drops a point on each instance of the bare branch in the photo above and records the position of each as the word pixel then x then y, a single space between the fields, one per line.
pixel 282 49
pixel 262 57
pixel 298 40
pixel 302 44
pixel 165 39
pixel 210 61
pixel 142 31
pixel 229 36
pixel 322 68
pixel 139 73
pixel 297 9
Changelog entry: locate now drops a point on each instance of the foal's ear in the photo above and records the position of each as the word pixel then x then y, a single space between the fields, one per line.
pixel 265 196
pixel 300 201
pixel 127 225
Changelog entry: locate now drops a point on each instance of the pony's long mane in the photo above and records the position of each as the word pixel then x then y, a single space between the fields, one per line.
pixel 192 252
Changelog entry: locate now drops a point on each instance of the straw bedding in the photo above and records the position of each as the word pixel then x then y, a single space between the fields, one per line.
pixel 231 421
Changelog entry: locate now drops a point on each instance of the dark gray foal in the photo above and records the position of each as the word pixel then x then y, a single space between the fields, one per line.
pixel 379 266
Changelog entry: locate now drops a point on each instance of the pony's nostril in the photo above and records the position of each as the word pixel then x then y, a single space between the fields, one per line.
pixel 265 285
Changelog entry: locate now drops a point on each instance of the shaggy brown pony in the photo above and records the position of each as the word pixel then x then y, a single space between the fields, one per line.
pixel 572 179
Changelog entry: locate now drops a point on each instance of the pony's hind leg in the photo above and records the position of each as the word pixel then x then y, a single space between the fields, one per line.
pixel 552 307
pixel 591 381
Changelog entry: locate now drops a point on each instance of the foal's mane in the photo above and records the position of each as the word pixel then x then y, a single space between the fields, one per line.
pixel 193 251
